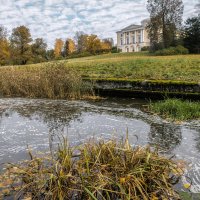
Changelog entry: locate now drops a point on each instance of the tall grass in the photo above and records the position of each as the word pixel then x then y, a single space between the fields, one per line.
pixel 101 170
pixel 44 81
pixel 177 109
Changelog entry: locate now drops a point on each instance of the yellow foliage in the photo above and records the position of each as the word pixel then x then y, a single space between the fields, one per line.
pixel 58 47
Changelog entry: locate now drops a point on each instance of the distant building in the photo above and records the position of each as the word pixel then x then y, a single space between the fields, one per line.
pixel 133 38
pixel 110 40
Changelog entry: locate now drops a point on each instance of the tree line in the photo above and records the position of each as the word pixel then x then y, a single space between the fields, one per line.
pixel 21 49
pixel 165 26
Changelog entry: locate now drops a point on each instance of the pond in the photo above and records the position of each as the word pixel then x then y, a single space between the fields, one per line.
pixel 35 122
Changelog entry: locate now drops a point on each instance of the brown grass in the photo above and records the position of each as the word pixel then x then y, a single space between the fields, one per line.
pixel 46 81
pixel 104 170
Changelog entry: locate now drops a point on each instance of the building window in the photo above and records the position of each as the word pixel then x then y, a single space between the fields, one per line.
pixel 133 39
pixel 127 40
pixel 127 33
pixel 139 38
pixel 121 41
pixel 121 35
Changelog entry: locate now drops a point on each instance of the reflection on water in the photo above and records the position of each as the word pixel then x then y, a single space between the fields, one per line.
pixel 166 136
pixel 30 122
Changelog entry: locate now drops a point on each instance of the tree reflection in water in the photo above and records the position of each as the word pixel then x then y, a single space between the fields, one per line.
pixel 165 136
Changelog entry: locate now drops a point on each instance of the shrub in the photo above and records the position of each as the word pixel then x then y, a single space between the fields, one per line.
pixel 95 170
pixel 179 50
pixel 79 55
pixel 115 50
pixel 145 48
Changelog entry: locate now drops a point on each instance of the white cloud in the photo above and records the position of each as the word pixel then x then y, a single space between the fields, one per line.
pixel 53 19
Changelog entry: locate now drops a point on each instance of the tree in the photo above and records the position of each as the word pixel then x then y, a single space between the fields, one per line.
pixel 165 21
pixel 81 41
pixel 192 34
pixel 39 50
pixel 69 47
pixel 58 47
pixel 50 54
pixel 4 47
pixel 106 45
pixel 93 44
pixel 20 44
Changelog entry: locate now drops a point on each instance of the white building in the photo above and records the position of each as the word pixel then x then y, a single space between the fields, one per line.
pixel 133 38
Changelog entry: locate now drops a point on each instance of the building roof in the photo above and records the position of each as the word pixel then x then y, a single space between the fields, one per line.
pixel 134 26
pixel 131 27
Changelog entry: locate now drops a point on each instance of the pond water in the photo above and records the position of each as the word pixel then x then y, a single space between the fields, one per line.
pixel 34 122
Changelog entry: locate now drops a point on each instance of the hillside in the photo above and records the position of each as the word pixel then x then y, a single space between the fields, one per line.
pixel 136 66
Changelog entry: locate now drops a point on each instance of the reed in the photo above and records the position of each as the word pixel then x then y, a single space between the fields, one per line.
pixel 100 170
pixel 177 109
pixel 51 80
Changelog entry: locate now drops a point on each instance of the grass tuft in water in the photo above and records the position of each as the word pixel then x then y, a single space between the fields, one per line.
pixel 177 109
pixel 100 170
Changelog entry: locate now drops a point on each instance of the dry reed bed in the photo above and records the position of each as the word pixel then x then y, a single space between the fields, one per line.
pixel 51 80
pixel 100 170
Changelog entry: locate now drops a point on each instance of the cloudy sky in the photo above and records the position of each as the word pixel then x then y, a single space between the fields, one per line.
pixel 52 19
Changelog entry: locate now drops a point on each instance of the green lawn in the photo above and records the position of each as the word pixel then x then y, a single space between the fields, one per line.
pixel 138 66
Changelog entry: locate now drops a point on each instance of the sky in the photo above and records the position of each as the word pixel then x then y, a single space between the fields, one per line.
pixel 51 19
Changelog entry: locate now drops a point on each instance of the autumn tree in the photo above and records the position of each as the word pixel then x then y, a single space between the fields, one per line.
pixel 20 44
pixel 106 46
pixel 165 21
pixel 69 47
pixel 58 47
pixel 4 47
pixel 192 34
pixel 93 44
pixel 39 50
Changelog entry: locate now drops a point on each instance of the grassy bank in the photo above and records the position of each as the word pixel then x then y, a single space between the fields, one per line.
pixel 95 170
pixel 139 66
pixel 136 66
pixel 176 109
pixel 52 80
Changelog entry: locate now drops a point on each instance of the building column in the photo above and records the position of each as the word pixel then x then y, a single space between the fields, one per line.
pixel 143 35
pixel 135 37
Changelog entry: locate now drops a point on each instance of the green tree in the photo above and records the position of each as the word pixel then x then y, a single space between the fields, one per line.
pixel 39 50
pixel 20 44
pixel 192 34
pixel 165 22
pixel 50 54
pixel 4 47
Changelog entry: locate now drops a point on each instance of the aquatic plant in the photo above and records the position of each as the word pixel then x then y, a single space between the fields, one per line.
pixel 177 109
pixel 96 170
pixel 51 80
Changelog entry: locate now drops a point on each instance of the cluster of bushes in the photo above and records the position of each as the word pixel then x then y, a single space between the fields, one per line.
pixel 178 50
pixel 145 48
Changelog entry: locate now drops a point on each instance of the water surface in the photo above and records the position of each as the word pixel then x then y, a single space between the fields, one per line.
pixel 34 122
